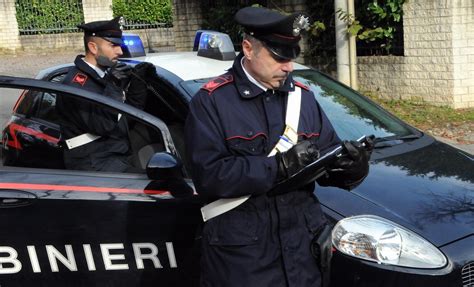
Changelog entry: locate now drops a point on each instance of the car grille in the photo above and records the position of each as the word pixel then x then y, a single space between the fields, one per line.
pixel 468 275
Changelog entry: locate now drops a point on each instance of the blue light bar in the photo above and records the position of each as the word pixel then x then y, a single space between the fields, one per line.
pixel 132 46
pixel 215 45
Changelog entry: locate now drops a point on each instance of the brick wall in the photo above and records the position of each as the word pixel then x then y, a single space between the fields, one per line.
pixel 8 27
pixel 438 65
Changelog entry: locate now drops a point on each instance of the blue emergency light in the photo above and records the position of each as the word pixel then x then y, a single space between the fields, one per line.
pixel 214 45
pixel 132 46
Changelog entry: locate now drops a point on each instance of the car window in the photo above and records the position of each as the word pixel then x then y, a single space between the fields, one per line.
pixel 351 114
pixel 28 103
pixel 38 141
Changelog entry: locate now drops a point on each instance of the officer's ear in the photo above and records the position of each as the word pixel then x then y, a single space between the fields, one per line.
pixel 247 49
pixel 93 47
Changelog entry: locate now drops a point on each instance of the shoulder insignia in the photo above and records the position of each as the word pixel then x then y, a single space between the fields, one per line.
pixel 217 82
pixel 301 86
pixel 80 79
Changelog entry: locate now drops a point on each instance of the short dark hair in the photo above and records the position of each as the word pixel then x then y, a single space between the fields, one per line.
pixel 87 39
pixel 254 41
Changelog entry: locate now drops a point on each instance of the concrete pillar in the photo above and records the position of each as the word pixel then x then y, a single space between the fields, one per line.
pixel 97 10
pixel 9 27
pixel 342 45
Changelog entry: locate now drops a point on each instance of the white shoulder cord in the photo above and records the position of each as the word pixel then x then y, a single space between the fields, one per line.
pixel 287 140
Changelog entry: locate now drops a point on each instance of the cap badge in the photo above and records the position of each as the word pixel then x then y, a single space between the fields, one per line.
pixel 121 22
pixel 301 23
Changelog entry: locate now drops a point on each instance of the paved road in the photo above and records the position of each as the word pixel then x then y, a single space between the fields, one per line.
pixel 28 65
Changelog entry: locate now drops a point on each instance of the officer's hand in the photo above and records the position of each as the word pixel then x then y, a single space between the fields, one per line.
pixel 353 166
pixel 144 69
pixel 120 74
pixel 296 158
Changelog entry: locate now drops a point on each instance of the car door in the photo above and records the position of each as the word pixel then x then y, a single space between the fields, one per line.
pixel 83 228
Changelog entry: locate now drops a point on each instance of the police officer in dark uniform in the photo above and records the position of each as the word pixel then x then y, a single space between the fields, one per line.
pixel 95 138
pixel 234 123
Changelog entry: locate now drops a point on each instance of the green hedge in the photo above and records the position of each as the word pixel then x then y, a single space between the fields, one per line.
pixel 46 17
pixel 149 11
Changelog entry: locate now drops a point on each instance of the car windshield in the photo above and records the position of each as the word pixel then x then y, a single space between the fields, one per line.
pixel 351 114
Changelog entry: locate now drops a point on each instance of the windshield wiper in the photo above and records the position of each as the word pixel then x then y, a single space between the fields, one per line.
pixel 393 140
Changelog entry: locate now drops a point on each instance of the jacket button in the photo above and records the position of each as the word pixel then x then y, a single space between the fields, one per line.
pixel 250 133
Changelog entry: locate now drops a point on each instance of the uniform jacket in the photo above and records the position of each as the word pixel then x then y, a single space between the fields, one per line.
pixel 231 128
pixel 79 117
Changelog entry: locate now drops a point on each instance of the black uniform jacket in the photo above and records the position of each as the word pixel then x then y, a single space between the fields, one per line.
pixel 231 128
pixel 79 117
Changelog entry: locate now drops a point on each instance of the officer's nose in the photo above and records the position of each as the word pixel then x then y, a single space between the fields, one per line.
pixel 118 50
pixel 287 67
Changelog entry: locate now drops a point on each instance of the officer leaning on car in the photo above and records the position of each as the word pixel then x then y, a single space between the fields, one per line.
pixel 244 134
pixel 95 138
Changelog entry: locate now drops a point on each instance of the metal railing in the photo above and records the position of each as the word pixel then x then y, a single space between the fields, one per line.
pixel 48 17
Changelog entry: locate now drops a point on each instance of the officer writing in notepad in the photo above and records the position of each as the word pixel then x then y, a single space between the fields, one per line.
pixel 241 143
pixel 95 138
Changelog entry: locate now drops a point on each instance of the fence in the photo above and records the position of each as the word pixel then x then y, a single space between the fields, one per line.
pixel 48 17
pixel 63 16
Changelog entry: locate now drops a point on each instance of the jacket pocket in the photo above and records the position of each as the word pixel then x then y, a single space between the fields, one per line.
pixel 234 228
pixel 248 145
pixel 314 217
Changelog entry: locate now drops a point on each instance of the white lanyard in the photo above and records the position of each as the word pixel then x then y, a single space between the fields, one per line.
pixel 287 140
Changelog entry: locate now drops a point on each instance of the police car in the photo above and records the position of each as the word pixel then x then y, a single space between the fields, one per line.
pixel 410 223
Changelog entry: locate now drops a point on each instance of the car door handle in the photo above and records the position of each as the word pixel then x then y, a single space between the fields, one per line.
pixel 16 198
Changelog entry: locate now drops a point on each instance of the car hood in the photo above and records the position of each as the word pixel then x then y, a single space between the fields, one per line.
pixel 429 191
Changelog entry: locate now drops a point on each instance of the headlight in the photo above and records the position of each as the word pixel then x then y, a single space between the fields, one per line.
pixel 376 239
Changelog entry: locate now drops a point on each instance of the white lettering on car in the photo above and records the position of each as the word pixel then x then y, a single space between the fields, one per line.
pixel 89 258
pixel 11 259
pixel 113 257
pixel 139 256
pixel 33 259
pixel 54 255
pixel 108 258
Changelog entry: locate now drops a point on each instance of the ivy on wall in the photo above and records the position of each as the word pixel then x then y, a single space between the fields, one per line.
pixel 377 25
pixel 219 16
pixel 48 17
pixel 138 11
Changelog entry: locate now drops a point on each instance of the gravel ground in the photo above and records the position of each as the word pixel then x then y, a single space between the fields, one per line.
pixel 28 65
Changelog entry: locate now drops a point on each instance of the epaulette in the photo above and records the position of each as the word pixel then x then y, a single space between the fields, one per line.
pixel 304 87
pixel 80 78
pixel 220 81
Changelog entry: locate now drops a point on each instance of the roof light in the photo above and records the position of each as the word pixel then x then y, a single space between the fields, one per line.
pixel 214 45
pixel 132 46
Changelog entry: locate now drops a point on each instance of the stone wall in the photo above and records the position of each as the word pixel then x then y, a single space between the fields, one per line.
pixel 96 10
pixel 187 18
pixel 438 65
pixel 160 39
pixel 8 27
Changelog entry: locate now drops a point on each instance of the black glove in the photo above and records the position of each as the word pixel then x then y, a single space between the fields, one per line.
pixel 296 158
pixel 119 74
pixel 144 69
pixel 352 167
pixel 138 89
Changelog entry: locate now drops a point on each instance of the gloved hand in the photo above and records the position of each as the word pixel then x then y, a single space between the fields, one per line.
pixel 142 74
pixel 352 167
pixel 296 158
pixel 119 74
pixel 144 69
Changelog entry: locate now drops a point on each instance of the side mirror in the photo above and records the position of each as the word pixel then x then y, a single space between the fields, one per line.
pixel 163 165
